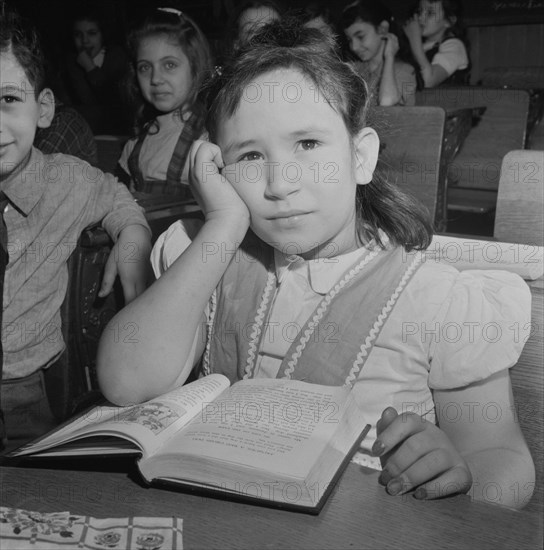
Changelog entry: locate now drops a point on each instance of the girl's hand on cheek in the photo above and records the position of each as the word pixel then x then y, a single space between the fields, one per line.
pixel 412 29
pixel 417 454
pixel 214 193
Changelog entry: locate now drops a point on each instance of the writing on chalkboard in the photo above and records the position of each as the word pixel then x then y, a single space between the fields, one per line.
pixel 518 5
pixel 485 12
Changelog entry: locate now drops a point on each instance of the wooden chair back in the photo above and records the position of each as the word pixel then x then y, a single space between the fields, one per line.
pixel 528 386
pixel 109 148
pixel 412 139
pixel 530 78
pixel 520 203
pixel 72 382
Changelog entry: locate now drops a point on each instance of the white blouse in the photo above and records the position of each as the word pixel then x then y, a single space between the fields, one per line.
pixel 157 148
pixel 451 55
pixel 448 328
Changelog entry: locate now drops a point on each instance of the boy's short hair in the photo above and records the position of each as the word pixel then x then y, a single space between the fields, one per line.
pixel 21 38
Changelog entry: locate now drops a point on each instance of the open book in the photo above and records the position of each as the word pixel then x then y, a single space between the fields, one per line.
pixel 274 441
pixel 466 253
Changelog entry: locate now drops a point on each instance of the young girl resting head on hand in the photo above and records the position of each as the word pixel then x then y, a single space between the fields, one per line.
pixel 308 267
pixel 436 37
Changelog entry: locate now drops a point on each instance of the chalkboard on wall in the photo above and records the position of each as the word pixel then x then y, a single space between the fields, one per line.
pixel 503 12
pixel 485 12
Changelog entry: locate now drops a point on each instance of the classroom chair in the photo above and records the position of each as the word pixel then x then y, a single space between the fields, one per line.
pixel 411 155
pixel 72 381
pixel 527 378
pixel 536 139
pixel 530 78
pixel 520 219
pixel 520 203
pixel 473 176
pixel 109 148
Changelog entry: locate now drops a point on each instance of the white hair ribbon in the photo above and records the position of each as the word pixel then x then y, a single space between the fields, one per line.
pixel 171 10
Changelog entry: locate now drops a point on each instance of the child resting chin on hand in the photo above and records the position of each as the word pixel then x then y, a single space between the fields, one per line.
pixel 311 245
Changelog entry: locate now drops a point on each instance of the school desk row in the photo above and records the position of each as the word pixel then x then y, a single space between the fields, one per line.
pixel 481 126
pixel 473 174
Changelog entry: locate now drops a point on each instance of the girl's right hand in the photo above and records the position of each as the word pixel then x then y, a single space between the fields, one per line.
pixel 214 193
pixel 417 454
pixel 412 29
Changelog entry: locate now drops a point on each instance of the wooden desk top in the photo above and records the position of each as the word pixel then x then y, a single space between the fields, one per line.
pixel 475 111
pixel 359 514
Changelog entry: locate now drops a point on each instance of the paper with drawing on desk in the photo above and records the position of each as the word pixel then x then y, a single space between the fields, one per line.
pixel 23 529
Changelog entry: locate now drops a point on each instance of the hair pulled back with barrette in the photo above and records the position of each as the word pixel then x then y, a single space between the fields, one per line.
pixel 288 44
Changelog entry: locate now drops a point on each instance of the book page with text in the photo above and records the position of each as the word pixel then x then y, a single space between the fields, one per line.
pixel 276 424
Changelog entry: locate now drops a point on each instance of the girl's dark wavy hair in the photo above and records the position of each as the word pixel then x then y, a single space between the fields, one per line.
pixel 287 44
pixel 191 39
pixel 453 12
pixel 21 37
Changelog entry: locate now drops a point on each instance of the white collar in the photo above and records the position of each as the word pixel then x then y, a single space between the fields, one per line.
pixel 322 273
pixel 98 59
pixel 430 45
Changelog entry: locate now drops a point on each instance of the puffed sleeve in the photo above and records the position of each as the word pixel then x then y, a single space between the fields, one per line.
pixel 169 247
pixel 480 329
pixel 451 56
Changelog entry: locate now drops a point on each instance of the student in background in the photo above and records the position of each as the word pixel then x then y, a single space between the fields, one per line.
pixel 93 74
pixel 244 21
pixel 308 267
pixel 251 16
pixel 370 31
pixel 47 201
pixel 69 133
pixel 317 15
pixel 435 34
pixel 170 59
